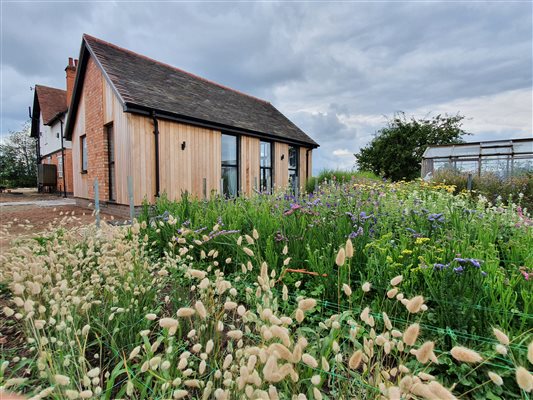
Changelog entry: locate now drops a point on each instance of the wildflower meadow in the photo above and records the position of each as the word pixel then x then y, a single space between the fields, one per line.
pixel 362 289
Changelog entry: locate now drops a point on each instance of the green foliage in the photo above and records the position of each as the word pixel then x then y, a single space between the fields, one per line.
pixel 515 189
pixel 396 152
pixel 396 229
pixel 18 159
pixel 338 176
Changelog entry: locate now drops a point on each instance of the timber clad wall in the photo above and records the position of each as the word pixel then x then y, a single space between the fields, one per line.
pixel 124 159
pixel 184 170
pixel 281 167
pixel 249 164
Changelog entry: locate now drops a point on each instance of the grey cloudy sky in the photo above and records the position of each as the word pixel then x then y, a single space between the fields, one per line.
pixel 335 68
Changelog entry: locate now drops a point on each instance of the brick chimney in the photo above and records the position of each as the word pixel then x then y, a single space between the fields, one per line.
pixel 71 77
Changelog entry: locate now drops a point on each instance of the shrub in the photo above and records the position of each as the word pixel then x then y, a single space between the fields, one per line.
pixel 517 188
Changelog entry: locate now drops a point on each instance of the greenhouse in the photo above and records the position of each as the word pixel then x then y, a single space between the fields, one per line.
pixel 504 158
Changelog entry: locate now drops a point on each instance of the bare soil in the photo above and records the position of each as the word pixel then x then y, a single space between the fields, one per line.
pixel 26 221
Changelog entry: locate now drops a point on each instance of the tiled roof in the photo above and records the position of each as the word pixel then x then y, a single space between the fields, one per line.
pixel 149 84
pixel 52 102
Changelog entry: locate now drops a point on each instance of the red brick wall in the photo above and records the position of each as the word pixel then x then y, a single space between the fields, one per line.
pixel 97 156
pixel 54 159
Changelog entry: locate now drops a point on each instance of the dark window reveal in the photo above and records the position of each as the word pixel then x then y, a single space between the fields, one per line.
pixel 293 167
pixel 111 161
pixel 83 145
pixel 265 168
pixel 230 166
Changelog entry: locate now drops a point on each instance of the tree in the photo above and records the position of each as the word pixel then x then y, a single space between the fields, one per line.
pixel 396 152
pixel 18 159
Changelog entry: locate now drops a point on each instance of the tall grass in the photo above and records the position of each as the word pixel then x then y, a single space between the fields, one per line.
pixel 328 175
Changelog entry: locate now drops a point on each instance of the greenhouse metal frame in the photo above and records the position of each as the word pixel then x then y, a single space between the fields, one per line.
pixel 504 158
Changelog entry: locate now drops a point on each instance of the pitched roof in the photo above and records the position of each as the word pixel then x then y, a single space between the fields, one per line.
pixel 143 84
pixel 52 102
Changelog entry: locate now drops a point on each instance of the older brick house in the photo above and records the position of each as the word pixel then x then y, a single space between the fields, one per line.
pixel 49 114
pixel 173 132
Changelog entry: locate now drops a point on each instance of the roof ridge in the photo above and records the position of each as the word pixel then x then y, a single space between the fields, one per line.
pixel 85 35
pixel 49 87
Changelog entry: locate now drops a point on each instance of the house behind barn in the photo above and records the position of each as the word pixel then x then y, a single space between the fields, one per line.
pixel 173 132
pixel 49 114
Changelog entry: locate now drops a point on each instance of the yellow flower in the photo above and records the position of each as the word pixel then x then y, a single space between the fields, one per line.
pixel 421 240
pixel 406 251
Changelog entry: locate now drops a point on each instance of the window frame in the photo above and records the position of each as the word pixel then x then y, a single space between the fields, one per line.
pixel 263 169
pixel 112 181
pixel 84 160
pixel 296 169
pixel 237 161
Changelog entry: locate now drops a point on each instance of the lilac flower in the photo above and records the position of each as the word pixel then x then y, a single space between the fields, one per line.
pixel 440 267
pixel 294 207
pixel 459 269
pixel 357 233
pixel 436 217
pixel 475 263
pixel 213 235
pixel 363 215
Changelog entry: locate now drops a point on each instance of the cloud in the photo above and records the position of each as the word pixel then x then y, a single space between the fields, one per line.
pixel 335 69
pixel 342 153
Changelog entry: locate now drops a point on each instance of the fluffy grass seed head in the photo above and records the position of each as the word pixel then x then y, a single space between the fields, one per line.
pixel 346 289
pixel 466 355
pixel 414 305
pixel 309 360
pixel 341 257
pixel 306 304
pixel 355 359
pixel 530 352
pixel 61 380
pixel 502 337
pixel 349 248
pixel 495 378
pixel 411 334
pixel 185 312
pixel 524 379
pixel 396 280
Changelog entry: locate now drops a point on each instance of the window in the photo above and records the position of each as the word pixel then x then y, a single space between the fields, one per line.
pixel 60 166
pixel 265 168
pixel 83 153
pixel 111 160
pixel 293 167
pixel 230 166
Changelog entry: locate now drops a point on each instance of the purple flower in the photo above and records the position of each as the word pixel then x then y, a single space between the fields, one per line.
pixel 436 217
pixel 475 263
pixel 483 273
pixel 213 235
pixel 440 267
pixel 459 269
pixel 359 232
